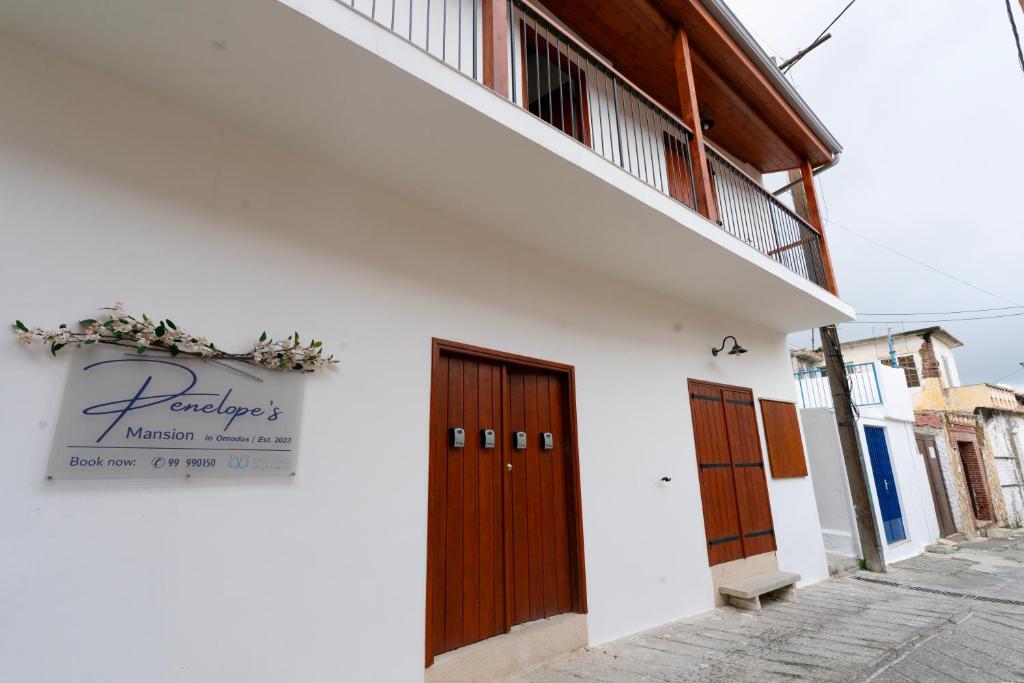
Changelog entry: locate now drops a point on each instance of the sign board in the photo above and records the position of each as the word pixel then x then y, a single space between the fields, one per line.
pixel 129 416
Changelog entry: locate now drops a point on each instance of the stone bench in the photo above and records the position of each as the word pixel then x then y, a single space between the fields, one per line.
pixel 746 593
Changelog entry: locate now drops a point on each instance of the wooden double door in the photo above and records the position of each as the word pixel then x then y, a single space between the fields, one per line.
pixel 733 486
pixel 504 537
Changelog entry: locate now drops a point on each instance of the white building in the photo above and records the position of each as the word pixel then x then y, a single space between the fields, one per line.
pixel 310 165
pixel 901 495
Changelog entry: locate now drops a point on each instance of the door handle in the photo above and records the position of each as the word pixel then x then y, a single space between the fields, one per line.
pixel 509 466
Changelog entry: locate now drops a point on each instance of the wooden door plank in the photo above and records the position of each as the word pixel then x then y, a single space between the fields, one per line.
pixel 454 521
pixel 471 505
pixel 488 502
pixel 520 503
pixel 562 502
pixel 549 511
pixel 534 522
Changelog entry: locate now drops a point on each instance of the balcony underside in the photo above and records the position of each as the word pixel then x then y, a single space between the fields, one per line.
pixel 416 125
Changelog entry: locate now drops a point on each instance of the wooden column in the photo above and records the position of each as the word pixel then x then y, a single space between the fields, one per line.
pixel 691 117
pixel 495 45
pixel 815 219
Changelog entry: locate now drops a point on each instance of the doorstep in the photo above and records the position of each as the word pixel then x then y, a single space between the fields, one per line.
pixel 524 647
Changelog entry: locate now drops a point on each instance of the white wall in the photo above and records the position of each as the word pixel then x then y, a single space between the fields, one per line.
pixel 831 485
pixel 1004 433
pixel 112 192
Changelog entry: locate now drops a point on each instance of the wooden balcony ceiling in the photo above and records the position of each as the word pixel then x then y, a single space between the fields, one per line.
pixel 751 118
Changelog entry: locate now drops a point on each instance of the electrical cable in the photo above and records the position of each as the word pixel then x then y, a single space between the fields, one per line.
pixel 969 310
pixel 831 24
pixel 1016 36
pixel 922 263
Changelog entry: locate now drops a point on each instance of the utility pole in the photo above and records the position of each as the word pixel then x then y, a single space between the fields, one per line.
pixel 853 458
pixel 805 201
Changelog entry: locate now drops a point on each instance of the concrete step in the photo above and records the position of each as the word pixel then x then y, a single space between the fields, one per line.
pixel 942 548
pixel 746 593
pixel 841 564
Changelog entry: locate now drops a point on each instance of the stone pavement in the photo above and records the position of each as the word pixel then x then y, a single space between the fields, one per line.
pixel 957 617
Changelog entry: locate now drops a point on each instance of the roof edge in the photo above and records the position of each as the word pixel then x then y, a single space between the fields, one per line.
pixel 753 49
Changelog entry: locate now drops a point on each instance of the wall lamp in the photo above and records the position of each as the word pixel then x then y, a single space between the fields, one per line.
pixel 734 351
pixel 706 123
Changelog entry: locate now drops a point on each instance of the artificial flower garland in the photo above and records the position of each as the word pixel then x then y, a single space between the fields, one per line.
pixel 121 329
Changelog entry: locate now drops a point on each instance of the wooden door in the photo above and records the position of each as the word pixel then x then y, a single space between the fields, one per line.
pixel 943 512
pixel 465 535
pixel 733 486
pixel 504 535
pixel 542 584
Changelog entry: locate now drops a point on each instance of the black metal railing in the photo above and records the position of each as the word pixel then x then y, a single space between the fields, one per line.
pixel 751 213
pixel 563 83
pixel 567 86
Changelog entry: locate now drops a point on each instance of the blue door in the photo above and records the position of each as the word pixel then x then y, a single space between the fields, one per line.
pixel 885 485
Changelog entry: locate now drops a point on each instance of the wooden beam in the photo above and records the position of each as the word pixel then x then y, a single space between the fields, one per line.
pixel 495 45
pixel 814 218
pixel 691 117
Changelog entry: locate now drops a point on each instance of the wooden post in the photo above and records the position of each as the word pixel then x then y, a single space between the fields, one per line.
pixel 495 45
pixel 853 458
pixel 814 218
pixel 691 117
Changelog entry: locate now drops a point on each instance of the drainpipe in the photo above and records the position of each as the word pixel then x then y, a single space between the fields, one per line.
pixel 820 169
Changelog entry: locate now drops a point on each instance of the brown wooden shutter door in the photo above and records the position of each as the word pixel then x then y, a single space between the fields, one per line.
pixel 734 490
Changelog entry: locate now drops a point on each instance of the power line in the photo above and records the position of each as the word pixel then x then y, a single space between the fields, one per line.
pixel 970 310
pixel 792 62
pixel 1011 374
pixel 944 320
pixel 1016 36
pixel 922 263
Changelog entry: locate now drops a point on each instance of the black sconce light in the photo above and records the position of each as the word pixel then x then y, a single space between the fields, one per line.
pixel 734 351
pixel 706 123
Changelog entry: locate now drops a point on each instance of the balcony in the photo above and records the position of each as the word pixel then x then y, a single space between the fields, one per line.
pixel 573 89
pixel 815 391
pixel 574 160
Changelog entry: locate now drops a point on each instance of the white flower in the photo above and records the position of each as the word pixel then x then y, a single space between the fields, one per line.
pixel 142 343
pixel 24 338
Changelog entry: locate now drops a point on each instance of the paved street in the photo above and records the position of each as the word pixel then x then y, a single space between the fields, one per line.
pixel 957 617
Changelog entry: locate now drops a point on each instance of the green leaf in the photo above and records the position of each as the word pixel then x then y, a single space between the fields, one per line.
pixel 109 323
pixel 297 366
pixel 317 344
pixel 20 326
pixel 160 330
pixel 174 351
pixel 55 348
pixel 171 324
pixel 87 322
pixel 90 341
pixel 142 349
pixel 145 318
pixel 63 326
pixel 296 338
pixel 263 337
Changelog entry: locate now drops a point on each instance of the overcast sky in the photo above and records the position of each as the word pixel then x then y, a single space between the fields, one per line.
pixel 927 99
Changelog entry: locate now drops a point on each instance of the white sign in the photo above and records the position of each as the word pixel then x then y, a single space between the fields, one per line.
pixel 131 416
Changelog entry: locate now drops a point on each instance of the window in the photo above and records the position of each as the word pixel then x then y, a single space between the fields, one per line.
pixel 554 86
pixel 909 369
